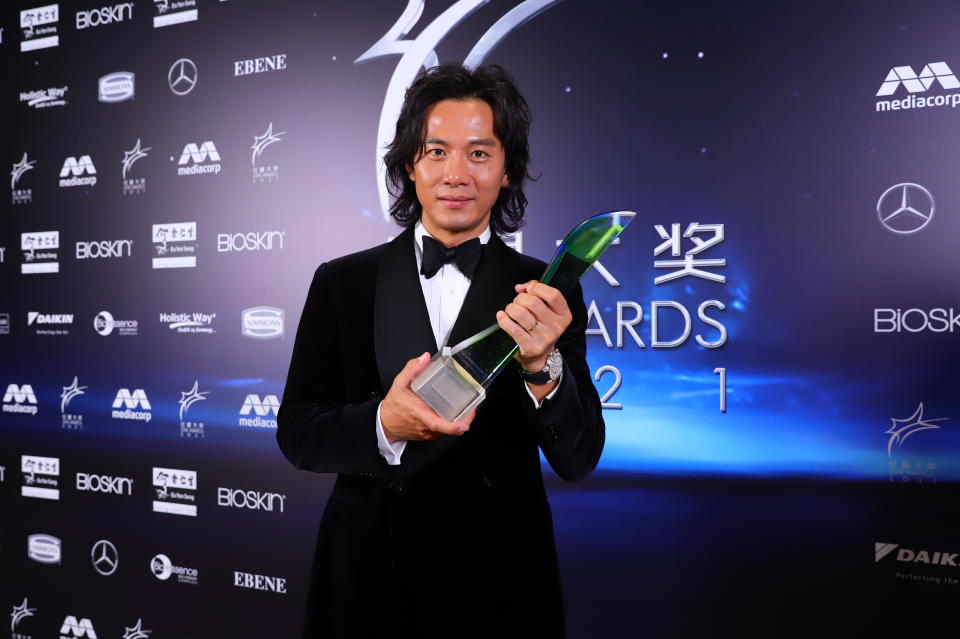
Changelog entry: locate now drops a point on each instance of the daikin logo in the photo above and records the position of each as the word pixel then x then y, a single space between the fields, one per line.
pixel 117 87
pixel 934 72
pixel 77 168
pixel 262 408
pixel 73 628
pixel 50 323
pixel 910 556
pixel 202 159
pixel 20 399
pixel 130 401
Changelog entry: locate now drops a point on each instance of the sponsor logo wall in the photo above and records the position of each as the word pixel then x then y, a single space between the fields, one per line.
pixel 783 307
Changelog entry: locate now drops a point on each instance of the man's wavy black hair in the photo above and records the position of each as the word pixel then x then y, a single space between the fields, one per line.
pixel 511 123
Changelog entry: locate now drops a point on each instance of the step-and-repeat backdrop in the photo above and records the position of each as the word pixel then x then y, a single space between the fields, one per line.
pixel 774 337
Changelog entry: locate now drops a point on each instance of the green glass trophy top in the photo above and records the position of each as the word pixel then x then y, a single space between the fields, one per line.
pixel 454 382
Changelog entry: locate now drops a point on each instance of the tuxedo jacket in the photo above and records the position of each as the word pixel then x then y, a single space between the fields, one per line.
pixel 457 540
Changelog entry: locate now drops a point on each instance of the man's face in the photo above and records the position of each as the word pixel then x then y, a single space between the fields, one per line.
pixel 461 171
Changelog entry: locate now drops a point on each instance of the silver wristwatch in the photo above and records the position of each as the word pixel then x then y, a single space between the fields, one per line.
pixel 550 372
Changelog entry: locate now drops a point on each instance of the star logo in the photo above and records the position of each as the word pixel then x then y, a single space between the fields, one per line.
pixel 260 142
pixel 905 208
pixel 131 156
pixel 19 169
pixel 19 612
pixel 136 632
pixel 69 392
pixel 903 428
pixel 190 398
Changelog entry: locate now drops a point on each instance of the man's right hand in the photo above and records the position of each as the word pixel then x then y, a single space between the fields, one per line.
pixel 404 415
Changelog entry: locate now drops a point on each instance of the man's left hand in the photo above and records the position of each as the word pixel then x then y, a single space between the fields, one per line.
pixel 535 319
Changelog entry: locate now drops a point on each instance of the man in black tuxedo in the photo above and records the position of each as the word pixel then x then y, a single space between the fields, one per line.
pixel 439 528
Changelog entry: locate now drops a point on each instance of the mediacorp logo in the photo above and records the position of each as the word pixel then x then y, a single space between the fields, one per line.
pixel 905 76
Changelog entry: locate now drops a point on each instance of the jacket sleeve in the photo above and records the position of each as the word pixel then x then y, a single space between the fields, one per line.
pixel 316 428
pixel 569 426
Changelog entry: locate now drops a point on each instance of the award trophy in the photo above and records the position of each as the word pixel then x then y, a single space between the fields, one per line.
pixel 456 379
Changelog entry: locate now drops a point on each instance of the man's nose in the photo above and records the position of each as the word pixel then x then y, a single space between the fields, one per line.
pixel 455 169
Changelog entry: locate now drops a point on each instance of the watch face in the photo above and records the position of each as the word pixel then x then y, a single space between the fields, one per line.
pixel 555 364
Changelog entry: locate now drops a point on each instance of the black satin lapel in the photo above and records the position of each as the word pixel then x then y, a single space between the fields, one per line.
pixel 490 291
pixel 401 322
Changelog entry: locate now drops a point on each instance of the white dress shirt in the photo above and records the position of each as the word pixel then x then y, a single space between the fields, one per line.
pixel 444 294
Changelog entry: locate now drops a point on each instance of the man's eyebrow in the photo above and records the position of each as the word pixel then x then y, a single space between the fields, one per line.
pixel 471 141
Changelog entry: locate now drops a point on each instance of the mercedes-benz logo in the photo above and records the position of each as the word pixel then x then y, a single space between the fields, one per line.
pixel 905 208
pixel 182 76
pixel 105 557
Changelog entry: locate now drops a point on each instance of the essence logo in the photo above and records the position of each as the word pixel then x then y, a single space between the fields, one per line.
pixel 117 87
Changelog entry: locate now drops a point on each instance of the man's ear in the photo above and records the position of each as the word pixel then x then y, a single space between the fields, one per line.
pixel 410 173
pixel 505 182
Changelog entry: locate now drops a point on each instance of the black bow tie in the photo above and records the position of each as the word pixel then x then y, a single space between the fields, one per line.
pixel 466 256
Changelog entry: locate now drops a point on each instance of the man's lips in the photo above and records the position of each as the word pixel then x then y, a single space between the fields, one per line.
pixel 454 198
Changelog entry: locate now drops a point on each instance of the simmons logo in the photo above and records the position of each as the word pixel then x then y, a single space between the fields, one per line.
pixel 45 549
pixel 262 322
pixel 117 87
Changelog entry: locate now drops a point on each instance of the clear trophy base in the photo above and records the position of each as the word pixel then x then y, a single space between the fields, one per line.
pixel 447 388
